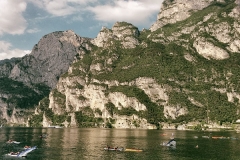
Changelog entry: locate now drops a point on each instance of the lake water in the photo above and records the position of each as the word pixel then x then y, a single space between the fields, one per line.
pixel 81 144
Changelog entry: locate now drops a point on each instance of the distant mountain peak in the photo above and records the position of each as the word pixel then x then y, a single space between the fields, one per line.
pixel 124 32
pixel 173 11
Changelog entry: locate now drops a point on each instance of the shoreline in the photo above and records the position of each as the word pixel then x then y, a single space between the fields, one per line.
pixel 191 126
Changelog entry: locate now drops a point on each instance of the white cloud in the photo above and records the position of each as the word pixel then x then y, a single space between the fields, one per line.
pixel 135 11
pixel 6 52
pixel 59 8
pixel 11 18
pixel 33 30
pixel 62 7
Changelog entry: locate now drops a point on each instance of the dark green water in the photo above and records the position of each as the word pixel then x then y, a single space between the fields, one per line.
pixel 81 144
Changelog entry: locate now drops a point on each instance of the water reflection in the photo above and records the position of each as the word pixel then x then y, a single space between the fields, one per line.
pixel 77 143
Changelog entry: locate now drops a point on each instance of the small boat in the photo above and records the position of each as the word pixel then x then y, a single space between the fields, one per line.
pixel 133 150
pixel 58 127
pixel 27 147
pixel 113 149
pixel 217 137
pixel 13 142
pixel 22 153
pixel 13 154
pixel 49 126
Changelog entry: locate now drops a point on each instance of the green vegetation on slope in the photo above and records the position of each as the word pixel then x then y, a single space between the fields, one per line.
pixel 21 95
pixel 154 113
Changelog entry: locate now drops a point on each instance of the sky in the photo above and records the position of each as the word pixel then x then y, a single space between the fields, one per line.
pixel 24 22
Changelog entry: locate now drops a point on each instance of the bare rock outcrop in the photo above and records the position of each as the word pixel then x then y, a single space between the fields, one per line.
pixel 41 67
pixel 124 32
pixel 173 11
pixel 209 51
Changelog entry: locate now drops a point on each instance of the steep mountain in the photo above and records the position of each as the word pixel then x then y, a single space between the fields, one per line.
pixel 184 69
pixel 25 81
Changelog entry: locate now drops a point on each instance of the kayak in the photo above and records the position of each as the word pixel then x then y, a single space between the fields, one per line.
pixel 13 154
pixel 15 142
pixel 113 149
pixel 133 150
pixel 218 137
pixel 26 151
pixel 22 153
pixel 27 147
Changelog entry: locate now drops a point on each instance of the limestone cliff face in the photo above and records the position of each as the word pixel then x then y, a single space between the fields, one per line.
pixel 41 67
pixel 206 33
pixel 208 50
pixel 94 96
pixel 173 11
pixel 124 32
pixel 13 116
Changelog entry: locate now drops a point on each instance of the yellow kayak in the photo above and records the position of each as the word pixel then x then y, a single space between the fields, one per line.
pixel 133 150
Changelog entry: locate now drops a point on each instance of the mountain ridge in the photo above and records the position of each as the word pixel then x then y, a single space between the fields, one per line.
pixel 179 71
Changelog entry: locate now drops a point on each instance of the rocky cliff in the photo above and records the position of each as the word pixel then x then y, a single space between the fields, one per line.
pixel 61 47
pixel 124 32
pixel 173 11
pixel 37 72
pixel 183 69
